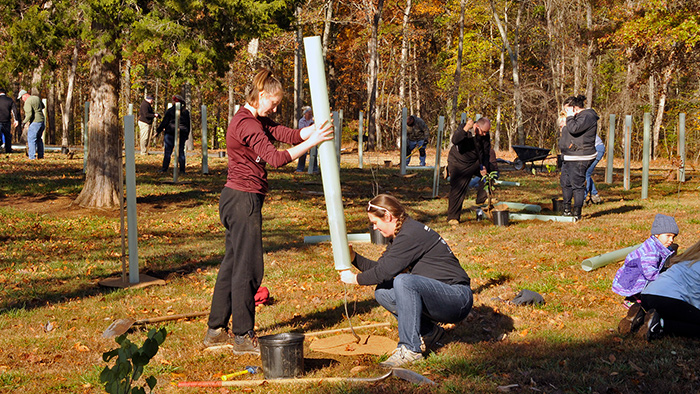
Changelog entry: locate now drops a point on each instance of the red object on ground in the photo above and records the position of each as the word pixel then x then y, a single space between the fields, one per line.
pixel 262 296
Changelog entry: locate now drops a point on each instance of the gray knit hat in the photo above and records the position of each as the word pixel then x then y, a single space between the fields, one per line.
pixel 664 225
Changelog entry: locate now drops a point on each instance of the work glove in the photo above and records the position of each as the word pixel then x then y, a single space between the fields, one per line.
pixel 348 277
pixel 528 297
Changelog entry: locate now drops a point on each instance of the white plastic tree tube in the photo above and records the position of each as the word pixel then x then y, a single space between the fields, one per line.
pixel 330 169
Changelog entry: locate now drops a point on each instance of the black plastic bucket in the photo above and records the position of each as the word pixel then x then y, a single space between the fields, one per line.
pixel 282 355
pixel 376 237
pixel 500 218
pixel 557 205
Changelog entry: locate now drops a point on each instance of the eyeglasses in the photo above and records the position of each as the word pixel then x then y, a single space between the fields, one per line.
pixel 370 206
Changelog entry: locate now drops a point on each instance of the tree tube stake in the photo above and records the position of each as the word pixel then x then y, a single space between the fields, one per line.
pixel 330 169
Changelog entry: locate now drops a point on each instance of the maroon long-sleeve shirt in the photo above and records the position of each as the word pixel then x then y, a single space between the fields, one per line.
pixel 249 145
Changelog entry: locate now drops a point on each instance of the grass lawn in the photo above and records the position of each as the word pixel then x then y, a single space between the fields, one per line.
pixel 53 311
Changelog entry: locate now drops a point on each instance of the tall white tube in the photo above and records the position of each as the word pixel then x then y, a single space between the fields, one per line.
pixel 330 170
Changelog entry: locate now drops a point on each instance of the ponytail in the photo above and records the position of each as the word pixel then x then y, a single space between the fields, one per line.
pixel 264 81
pixel 384 203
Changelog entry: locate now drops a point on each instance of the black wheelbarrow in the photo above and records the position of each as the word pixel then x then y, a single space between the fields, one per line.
pixel 529 154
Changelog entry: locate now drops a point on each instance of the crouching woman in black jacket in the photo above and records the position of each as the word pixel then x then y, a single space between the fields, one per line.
pixel 418 279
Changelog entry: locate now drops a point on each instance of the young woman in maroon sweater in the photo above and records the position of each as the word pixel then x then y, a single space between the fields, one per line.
pixel 249 145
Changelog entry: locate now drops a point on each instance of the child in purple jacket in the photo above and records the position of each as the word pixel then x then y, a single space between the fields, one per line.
pixel 643 266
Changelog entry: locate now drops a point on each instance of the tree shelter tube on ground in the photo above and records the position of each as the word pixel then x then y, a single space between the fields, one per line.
pixel 330 169
pixel 604 259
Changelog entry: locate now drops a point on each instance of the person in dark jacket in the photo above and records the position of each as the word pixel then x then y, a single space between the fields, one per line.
pixel 418 134
pixel 9 119
pixel 168 125
pixel 577 146
pixel 419 280
pixel 468 157
pixel 146 117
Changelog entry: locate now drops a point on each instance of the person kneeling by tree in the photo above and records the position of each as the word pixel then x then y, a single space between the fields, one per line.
pixel 419 280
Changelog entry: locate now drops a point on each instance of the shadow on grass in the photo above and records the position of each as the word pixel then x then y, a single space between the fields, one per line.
pixel 607 364
pixel 617 211
pixel 322 319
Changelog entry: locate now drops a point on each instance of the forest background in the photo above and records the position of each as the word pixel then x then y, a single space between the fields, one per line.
pixel 513 61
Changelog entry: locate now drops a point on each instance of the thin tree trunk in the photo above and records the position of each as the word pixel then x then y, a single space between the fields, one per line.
pixel 298 76
pixel 590 63
pixel 231 102
pixel 553 55
pixel 372 127
pixel 458 71
pixel 101 189
pixel 513 53
pixel 327 27
pixel 67 114
pixel 187 90
pixel 327 37
pixel 404 55
pixel 415 80
pixel 51 111
pixel 666 77
pixel 577 71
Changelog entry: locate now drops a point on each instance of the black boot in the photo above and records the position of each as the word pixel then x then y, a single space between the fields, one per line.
pixel 566 209
pixel 577 213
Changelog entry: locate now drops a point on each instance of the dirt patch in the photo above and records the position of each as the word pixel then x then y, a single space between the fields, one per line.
pixel 347 345
pixel 58 206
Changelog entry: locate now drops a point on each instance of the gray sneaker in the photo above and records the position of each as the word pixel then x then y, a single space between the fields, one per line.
pixel 217 337
pixel 401 356
pixel 246 344
pixel 595 199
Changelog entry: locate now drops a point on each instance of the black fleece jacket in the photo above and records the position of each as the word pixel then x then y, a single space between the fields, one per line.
pixel 416 249
pixel 578 136
pixel 469 149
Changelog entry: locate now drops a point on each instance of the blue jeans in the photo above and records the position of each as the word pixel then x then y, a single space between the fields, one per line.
pixel 301 163
pixel 35 146
pixel 590 186
pixel 6 131
pixel 421 150
pixel 418 302
pixel 168 146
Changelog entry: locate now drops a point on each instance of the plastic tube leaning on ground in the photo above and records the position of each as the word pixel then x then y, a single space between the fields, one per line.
pixel 330 169
pixel 604 259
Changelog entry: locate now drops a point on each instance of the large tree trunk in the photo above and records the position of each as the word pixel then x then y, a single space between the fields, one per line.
pixel 404 55
pixel 67 106
pixel 101 189
pixel 452 122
